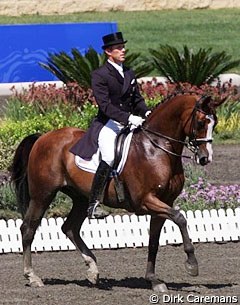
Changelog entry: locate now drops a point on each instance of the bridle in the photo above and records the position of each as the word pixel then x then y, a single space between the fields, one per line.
pixel 193 142
pixel 192 138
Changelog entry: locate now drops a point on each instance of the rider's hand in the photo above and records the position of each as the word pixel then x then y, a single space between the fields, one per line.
pixel 135 120
pixel 148 113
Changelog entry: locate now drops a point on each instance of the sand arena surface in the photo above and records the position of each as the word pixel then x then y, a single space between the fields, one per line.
pixel 121 276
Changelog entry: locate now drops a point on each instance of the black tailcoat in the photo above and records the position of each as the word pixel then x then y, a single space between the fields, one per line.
pixel 117 98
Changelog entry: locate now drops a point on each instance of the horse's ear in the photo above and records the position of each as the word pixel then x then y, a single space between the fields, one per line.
pixel 206 103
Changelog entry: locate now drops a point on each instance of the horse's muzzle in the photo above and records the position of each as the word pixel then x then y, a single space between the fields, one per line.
pixel 202 158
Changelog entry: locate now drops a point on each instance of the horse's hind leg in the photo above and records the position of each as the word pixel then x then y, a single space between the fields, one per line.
pixel 71 228
pixel 156 225
pixel 29 226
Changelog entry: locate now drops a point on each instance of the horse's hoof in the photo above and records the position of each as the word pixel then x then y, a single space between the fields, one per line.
pixel 36 283
pixel 93 277
pixel 160 288
pixel 191 269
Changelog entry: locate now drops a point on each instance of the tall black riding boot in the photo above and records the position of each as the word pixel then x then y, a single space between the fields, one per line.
pixel 99 182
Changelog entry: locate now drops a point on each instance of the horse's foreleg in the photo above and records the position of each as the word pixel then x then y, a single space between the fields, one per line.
pixel 191 263
pixel 161 210
pixel 28 228
pixel 71 228
pixel 156 225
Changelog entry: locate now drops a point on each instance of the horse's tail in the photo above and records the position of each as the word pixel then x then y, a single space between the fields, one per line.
pixel 18 170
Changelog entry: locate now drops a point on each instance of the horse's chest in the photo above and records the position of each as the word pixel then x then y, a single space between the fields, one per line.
pixel 172 189
pixel 176 185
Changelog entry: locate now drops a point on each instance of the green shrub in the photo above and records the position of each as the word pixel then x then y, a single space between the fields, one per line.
pixel 16 110
pixel 229 115
pixel 12 132
pixel 78 68
pixel 8 214
pixel 7 199
pixel 44 108
pixel 228 127
pixel 87 113
pixel 186 66
pixel 60 207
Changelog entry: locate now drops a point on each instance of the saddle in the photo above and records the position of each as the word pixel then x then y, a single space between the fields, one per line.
pixel 119 145
pixel 122 144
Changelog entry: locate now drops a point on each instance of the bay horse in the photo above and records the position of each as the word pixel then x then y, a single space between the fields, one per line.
pixel 153 177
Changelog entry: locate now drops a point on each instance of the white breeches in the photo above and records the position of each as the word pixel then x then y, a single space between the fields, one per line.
pixel 106 140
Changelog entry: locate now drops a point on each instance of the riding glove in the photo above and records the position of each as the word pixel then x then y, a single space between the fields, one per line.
pixel 135 120
pixel 148 113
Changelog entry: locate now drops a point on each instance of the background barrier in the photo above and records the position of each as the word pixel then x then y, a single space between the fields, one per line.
pixel 124 231
pixel 24 46
pixel 46 7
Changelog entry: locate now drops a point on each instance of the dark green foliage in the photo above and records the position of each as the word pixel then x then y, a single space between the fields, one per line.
pixel 7 198
pixel 77 68
pixel 140 65
pixel 194 68
pixel 25 119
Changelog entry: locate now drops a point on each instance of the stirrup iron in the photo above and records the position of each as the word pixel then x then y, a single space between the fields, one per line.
pixel 96 212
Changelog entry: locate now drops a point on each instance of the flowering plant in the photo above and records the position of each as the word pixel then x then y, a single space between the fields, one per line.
pixel 157 90
pixel 198 194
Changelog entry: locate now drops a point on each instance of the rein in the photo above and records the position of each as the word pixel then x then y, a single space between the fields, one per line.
pixel 186 144
pixel 192 144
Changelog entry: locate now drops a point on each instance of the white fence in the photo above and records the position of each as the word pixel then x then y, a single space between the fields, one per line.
pixel 124 231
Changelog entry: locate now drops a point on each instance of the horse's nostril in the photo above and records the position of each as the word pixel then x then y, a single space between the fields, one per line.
pixel 203 160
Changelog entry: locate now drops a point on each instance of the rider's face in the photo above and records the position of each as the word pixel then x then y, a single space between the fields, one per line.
pixel 116 53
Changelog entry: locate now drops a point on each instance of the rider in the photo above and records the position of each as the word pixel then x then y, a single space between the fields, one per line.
pixel 120 103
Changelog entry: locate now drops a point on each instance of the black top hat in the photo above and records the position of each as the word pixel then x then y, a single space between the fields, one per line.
pixel 113 39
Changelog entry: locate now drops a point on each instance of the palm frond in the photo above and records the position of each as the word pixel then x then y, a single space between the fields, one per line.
pixel 78 67
pixel 195 68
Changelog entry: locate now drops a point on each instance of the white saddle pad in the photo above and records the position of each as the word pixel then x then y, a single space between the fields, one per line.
pixel 92 165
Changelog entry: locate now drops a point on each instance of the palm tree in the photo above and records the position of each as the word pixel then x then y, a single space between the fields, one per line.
pixel 187 67
pixel 77 68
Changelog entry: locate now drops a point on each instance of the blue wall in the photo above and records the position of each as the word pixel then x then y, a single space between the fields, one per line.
pixel 22 47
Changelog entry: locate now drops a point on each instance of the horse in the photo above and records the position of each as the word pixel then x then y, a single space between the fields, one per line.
pixel 153 177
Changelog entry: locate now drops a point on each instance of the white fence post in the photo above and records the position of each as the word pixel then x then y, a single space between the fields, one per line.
pixel 124 231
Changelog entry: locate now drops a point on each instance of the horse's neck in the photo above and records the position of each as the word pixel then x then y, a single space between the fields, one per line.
pixel 166 119
pixel 169 119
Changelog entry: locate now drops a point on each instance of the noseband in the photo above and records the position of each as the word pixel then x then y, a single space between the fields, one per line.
pixel 193 142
